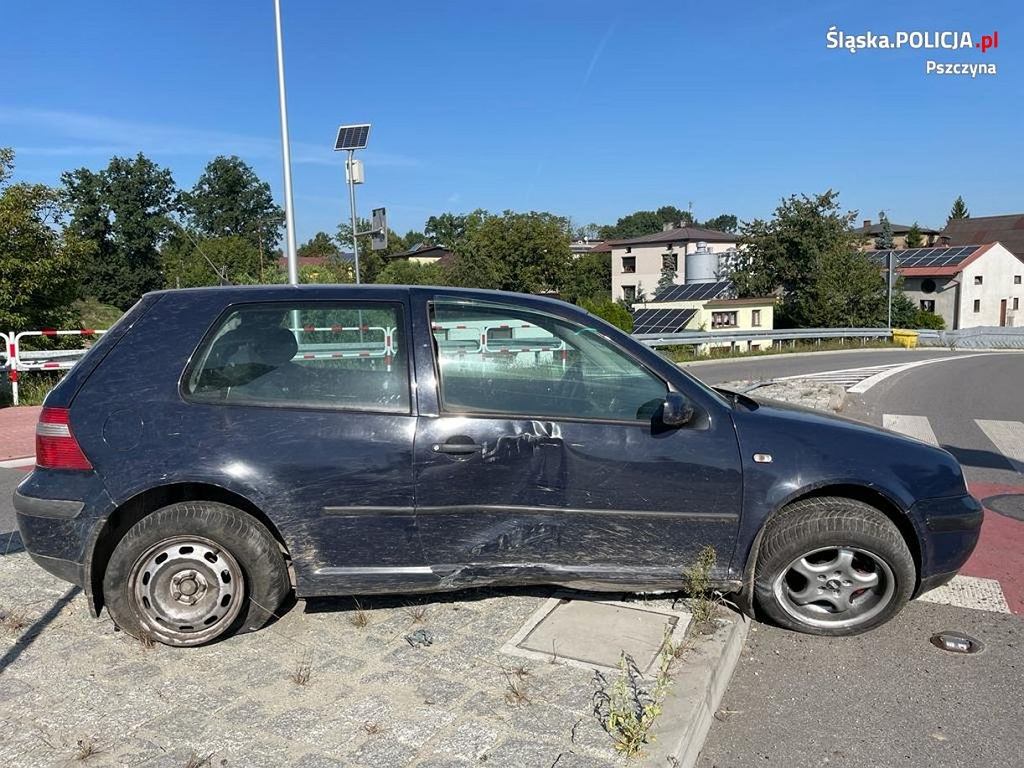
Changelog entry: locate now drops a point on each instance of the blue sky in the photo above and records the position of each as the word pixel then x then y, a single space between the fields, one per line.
pixel 589 109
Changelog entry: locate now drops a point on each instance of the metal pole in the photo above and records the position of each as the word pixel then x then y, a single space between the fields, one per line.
pixel 289 206
pixel 888 278
pixel 352 204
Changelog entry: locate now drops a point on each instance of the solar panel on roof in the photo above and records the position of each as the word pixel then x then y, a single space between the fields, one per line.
pixel 352 137
pixel 662 320
pixel 695 291
pixel 932 258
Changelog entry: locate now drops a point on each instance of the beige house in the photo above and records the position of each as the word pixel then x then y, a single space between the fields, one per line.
pixel 968 285
pixel 707 307
pixel 870 231
pixel 638 261
pixel 424 253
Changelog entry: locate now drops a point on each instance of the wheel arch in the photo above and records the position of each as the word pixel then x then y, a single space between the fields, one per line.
pixel 869 495
pixel 144 503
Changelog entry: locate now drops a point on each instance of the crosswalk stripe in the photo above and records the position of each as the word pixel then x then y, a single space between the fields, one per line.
pixel 1007 436
pixel 912 426
pixel 970 592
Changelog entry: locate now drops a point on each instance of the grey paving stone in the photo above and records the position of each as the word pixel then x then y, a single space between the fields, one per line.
pixel 383 751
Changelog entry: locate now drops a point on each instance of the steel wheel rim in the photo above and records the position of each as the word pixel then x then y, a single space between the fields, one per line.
pixel 186 590
pixel 835 587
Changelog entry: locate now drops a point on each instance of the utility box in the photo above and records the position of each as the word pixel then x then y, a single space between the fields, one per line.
pixel 354 172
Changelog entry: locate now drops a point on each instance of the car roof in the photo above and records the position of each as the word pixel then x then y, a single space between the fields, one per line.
pixel 341 290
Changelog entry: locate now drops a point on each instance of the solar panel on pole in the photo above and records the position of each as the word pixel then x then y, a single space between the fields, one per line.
pixel 352 136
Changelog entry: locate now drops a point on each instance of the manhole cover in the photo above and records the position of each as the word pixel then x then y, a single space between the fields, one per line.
pixel 1010 505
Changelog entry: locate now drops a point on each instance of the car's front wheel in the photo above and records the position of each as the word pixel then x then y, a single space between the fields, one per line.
pixel 832 566
pixel 194 572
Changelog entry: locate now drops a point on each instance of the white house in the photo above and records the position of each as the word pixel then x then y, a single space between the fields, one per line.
pixel 968 285
pixel 637 262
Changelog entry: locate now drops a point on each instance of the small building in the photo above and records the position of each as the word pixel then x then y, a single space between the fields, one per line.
pixel 637 262
pixel 871 231
pixel 967 285
pixel 706 306
pixel 1007 230
pixel 425 253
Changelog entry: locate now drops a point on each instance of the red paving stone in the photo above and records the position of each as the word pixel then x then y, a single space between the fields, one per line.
pixel 1000 551
pixel 18 431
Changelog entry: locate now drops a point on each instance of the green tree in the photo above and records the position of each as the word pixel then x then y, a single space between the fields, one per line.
pixel 645 223
pixel 189 260
pixel 590 277
pixel 884 241
pixel 320 245
pixel 414 237
pixel 959 210
pixel 527 252
pixel 667 278
pixel 371 262
pixel 807 254
pixel 450 229
pixel 39 264
pixel 124 211
pixel 612 311
pixel 725 222
pixel 230 200
pixel 405 272
pixel 914 237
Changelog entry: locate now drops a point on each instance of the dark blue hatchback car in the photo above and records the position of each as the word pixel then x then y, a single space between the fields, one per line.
pixel 221 447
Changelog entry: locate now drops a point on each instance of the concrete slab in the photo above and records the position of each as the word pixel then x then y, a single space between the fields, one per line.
pixel 593 633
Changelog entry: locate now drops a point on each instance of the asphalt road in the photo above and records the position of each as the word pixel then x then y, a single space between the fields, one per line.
pixel 885 698
pixel 9 539
pixel 772 366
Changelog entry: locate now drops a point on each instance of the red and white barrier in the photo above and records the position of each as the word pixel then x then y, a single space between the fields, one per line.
pixel 24 361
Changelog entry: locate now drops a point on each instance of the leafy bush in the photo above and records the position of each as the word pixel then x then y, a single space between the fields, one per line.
pixel 613 312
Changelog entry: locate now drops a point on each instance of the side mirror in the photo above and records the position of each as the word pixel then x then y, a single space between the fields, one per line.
pixel 677 410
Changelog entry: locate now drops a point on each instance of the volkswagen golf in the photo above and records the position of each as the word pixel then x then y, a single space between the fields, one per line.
pixel 221 448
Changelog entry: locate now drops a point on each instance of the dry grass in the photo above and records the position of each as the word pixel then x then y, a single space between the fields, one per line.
pixel 417 613
pixel 359 618
pixel 86 748
pixel 303 671
pixel 516 694
pixel 195 760
pixel 13 622
pixel 372 728
pixel 703 603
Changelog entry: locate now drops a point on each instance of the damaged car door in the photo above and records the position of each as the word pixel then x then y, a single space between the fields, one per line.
pixel 550 459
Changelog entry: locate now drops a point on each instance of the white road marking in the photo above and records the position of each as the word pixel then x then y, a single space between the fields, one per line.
pixel 860 380
pixel 863 386
pixel 1007 436
pixel 970 592
pixel 28 461
pixel 917 427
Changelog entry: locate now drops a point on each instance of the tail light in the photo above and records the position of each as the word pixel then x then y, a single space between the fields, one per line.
pixel 56 446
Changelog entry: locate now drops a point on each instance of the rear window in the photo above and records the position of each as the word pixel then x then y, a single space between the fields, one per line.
pixel 347 355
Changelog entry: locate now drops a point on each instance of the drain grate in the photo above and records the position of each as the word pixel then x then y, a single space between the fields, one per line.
pixel 1010 505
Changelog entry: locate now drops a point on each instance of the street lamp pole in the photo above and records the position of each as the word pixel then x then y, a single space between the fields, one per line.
pixel 351 168
pixel 289 206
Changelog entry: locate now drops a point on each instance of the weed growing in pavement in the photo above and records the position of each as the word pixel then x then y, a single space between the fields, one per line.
pixel 372 728
pixel 417 613
pixel 516 694
pixel 303 671
pixel 703 602
pixel 86 748
pixel 195 760
pixel 12 622
pixel 626 709
pixel 359 618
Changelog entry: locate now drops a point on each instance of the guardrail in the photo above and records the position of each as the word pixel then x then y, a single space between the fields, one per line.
pixel 788 334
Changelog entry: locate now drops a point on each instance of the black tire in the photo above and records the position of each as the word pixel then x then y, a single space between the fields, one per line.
pixel 794 582
pixel 221 559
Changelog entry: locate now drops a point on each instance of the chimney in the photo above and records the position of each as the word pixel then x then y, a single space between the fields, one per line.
pixel 867 223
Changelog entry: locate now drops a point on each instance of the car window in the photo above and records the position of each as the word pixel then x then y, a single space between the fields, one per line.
pixel 334 355
pixel 505 360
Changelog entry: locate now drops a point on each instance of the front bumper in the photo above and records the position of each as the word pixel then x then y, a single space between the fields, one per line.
pixel 949 530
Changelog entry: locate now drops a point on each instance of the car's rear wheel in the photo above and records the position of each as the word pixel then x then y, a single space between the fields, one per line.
pixel 832 566
pixel 195 572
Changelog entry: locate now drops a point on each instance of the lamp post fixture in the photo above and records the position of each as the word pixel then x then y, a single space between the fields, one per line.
pixel 286 153
pixel 350 138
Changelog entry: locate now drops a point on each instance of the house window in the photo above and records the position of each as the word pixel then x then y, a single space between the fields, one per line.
pixel 1016 303
pixel 978 279
pixel 755 318
pixel 723 319
pixel 670 260
pixel 628 264
pixel 977 305
pixel 629 292
pixel 927 305
pixel 1016 279
pixel 629 249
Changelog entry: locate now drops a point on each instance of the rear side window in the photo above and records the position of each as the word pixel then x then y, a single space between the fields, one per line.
pixel 348 355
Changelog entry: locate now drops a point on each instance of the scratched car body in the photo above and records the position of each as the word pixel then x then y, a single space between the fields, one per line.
pixel 219 448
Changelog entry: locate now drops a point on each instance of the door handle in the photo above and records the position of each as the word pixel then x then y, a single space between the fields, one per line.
pixel 458 449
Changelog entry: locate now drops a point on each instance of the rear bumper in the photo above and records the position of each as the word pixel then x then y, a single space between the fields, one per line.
pixel 950 529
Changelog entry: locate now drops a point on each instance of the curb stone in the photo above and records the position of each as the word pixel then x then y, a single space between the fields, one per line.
pixel 696 693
